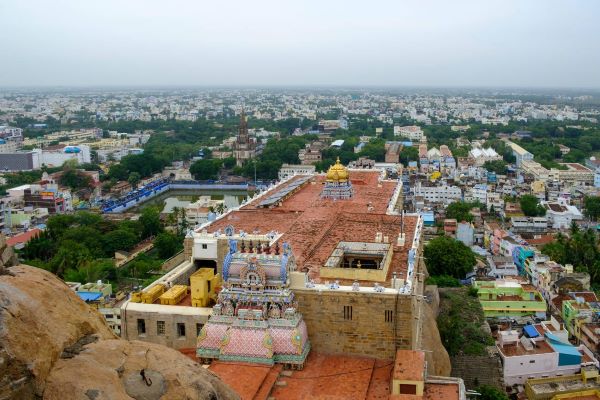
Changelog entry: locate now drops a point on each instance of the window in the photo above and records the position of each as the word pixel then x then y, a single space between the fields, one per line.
pixel 160 328
pixel 531 361
pixel 198 329
pixel 141 325
pixel 204 246
pixel 348 313
pixel 109 316
pixel 389 316
pixel 181 330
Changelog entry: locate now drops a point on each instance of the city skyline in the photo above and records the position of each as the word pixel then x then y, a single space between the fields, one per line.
pixel 267 44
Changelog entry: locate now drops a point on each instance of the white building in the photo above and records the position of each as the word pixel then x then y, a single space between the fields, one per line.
pixel 560 214
pixel 202 210
pixel 412 132
pixel 57 156
pixel 541 352
pixel 438 194
pixel 481 155
pixel 288 170
pixel 477 193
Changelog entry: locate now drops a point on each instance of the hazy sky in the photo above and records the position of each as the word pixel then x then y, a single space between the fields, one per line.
pixel 301 42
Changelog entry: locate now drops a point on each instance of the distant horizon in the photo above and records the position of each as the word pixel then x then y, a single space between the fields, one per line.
pixel 496 44
pixel 296 86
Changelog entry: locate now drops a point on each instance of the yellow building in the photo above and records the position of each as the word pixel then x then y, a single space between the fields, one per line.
pixel 174 295
pixel 204 283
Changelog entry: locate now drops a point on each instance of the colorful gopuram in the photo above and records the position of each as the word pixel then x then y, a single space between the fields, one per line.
pixel 256 319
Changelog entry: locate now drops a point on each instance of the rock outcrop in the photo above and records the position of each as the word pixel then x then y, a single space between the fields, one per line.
pixel 53 346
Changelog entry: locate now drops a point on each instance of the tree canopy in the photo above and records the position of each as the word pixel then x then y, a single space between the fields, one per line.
pixel 447 256
pixel 531 207
pixel 592 207
pixel 461 211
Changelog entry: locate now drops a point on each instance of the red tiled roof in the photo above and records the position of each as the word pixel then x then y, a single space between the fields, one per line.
pixel 314 226
pixel 23 237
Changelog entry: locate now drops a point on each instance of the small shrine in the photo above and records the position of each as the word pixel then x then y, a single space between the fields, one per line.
pixel 337 184
pixel 256 319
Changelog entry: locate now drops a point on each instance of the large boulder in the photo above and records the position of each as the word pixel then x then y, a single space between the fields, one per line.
pixel 54 346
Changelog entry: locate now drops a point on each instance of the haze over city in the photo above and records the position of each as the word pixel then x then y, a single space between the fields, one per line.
pixel 270 43
pixel 269 199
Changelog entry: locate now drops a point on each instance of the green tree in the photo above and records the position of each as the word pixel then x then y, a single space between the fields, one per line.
pixel 70 255
pixel 461 211
pixel 531 207
pixel 150 222
pixel 206 169
pixel 592 207
pixel 447 256
pixel 118 172
pixel 134 179
pixel 497 166
pixel 167 244
pixel 75 179
pixel 491 393
pixel 120 239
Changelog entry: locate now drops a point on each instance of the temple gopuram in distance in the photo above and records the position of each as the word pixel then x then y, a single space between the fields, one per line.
pixel 318 273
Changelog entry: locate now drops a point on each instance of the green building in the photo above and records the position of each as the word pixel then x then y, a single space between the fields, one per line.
pixel 510 298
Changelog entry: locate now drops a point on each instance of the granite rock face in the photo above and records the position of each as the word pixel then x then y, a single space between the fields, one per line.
pixel 53 346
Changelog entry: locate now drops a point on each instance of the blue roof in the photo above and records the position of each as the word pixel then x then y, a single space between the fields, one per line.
pixel 89 296
pixel 531 331
pixel 567 353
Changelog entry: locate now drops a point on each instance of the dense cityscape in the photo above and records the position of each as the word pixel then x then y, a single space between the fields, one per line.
pixel 313 200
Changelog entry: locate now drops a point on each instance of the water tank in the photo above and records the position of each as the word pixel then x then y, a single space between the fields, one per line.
pixel 72 149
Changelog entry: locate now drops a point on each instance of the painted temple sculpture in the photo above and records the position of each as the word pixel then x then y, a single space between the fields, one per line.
pixel 255 318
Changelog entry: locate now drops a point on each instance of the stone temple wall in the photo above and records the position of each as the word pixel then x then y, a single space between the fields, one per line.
pixel 374 325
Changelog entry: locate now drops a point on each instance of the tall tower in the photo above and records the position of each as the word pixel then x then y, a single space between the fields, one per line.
pixel 243 137
pixel 244 147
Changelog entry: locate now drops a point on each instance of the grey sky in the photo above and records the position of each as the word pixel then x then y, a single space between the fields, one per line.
pixel 301 42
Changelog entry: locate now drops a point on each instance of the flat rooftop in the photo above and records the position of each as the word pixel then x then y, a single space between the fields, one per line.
pixel 512 350
pixel 334 377
pixel 314 226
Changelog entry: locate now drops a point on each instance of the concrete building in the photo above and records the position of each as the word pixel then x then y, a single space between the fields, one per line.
pixel 433 193
pixel 560 215
pixel 413 132
pixel 520 153
pixel 482 155
pixel 392 153
pixel 510 298
pixel 538 352
pixel 287 170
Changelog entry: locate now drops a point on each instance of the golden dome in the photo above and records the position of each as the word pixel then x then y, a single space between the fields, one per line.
pixel 337 173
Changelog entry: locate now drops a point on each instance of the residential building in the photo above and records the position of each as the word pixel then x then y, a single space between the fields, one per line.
pixel 560 215
pixel 537 352
pixel 413 132
pixel 442 194
pixel 510 298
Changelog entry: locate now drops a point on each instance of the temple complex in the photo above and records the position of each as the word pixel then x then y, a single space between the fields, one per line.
pixel 244 147
pixel 316 264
